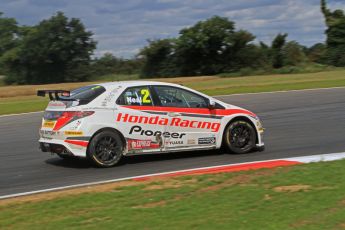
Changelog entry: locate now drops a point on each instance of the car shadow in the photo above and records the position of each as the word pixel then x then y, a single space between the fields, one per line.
pixel 84 163
pixel 168 156
pixel 80 163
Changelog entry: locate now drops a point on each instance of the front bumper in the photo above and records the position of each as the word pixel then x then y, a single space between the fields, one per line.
pixel 260 148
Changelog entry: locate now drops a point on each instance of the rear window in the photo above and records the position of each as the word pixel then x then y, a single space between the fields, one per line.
pixel 86 94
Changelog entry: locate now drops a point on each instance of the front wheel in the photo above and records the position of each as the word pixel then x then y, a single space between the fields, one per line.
pixel 106 149
pixel 240 137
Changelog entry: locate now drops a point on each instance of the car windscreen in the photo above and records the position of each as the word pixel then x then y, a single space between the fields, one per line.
pixel 85 94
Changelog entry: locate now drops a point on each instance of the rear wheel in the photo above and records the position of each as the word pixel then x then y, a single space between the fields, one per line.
pixel 240 137
pixel 106 149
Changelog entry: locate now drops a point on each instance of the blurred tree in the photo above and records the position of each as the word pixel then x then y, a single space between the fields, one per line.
pixel 335 22
pixel 240 53
pixel 105 65
pixel 8 33
pixel 317 52
pixel 204 47
pixel 56 50
pixel 110 64
pixel 277 50
pixel 159 59
pixel 293 54
pixel 265 56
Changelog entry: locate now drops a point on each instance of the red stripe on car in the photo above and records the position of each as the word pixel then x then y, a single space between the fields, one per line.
pixel 222 112
pixel 80 143
pixel 61 122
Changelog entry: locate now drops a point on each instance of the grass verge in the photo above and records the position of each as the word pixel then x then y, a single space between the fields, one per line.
pixel 22 104
pixel 18 99
pixel 297 197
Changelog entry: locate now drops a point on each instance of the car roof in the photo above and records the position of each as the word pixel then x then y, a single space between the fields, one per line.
pixel 134 83
pixel 126 84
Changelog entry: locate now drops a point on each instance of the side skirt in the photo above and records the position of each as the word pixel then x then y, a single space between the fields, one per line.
pixel 170 151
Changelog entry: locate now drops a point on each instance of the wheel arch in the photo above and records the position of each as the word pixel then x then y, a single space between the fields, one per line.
pixel 109 129
pixel 241 118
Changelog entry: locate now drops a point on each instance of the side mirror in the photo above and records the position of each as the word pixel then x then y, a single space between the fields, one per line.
pixel 211 104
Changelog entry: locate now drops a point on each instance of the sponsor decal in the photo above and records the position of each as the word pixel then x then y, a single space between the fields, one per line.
pixel 204 111
pixel 139 131
pixel 73 133
pixel 76 126
pixel 109 98
pixel 134 98
pixel 191 142
pixel 178 122
pixel 206 140
pixel 134 144
pixel 48 124
pixel 50 133
pixel 174 142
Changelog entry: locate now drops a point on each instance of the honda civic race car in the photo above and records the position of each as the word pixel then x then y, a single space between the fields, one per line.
pixel 106 121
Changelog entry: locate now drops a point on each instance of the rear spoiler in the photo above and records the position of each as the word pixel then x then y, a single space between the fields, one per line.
pixel 54 94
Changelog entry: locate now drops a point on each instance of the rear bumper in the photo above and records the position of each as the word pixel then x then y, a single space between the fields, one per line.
pixel 52 148
pixel 62 147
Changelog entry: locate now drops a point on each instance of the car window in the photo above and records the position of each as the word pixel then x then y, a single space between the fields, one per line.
pixel 86 94
pixel 175 97
pixel 136 96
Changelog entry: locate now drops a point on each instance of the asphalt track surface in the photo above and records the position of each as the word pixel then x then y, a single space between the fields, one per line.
pixel 298 123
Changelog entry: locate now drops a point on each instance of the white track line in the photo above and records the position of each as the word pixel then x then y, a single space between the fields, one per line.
pixel 303 159
pixel 19 114
pixel 281 91
pixel 319 158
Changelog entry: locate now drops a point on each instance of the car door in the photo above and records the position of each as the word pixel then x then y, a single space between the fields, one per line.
pixel 191 123
pixel 142 127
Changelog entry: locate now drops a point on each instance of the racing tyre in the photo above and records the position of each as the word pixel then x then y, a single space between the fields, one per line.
pixel 105 149
pixel 240 137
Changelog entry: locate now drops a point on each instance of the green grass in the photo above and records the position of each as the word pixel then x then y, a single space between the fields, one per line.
pixel 299 197
pixel 22 105
pixel 303 68
pixel 212 86
pixel 269 83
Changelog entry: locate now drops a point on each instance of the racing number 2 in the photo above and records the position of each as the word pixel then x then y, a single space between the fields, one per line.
pixel 146 95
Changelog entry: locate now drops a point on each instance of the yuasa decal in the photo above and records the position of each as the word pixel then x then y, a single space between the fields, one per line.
pixel 179 122
pixel 174 142
pixel 206 140
pixel 138 130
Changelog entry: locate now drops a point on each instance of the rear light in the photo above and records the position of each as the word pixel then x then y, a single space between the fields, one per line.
pixel 76 114
pixel 70 116
pixel 66 94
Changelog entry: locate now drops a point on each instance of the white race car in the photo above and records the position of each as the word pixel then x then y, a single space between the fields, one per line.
pixel 106 121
